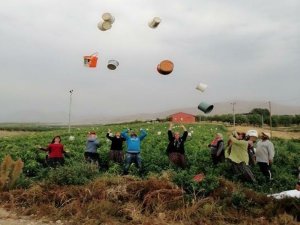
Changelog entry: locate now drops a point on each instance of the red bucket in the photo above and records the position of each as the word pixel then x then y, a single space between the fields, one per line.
pixel 90 60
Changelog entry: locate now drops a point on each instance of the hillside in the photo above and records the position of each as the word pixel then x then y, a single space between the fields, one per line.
pixel 100 117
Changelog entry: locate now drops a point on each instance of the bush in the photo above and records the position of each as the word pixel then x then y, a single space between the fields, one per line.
pixel 78 174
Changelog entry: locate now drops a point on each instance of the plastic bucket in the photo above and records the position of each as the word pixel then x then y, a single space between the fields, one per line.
pixel 204 107
pixel 104 25
pixel 154 22
pixel 165 67
pixel 90 60
pixel 112 64
pixel 108 17
pixel 201 87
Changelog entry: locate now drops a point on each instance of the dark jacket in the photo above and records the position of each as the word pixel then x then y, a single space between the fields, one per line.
pixel 217 149
pixel 116 143
pixel 176 146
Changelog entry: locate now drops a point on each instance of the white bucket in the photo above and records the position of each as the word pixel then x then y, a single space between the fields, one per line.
pixel 112 64
pixel 108 17
pixel 154 22
pixel 104 25
pixel 201 87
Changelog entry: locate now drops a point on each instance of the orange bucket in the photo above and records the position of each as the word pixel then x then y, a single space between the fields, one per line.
pixel 90 60
pixel 165 67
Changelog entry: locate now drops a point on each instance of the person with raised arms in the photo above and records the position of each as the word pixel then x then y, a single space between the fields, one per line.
pixel 116 148
pixel 133 151
pixel 175 149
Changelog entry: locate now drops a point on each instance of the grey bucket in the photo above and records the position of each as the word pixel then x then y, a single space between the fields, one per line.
pixel 204 107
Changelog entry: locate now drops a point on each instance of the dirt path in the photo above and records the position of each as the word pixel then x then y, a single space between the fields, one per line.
pixel 4 133
pixel 8 218
pixel 275 133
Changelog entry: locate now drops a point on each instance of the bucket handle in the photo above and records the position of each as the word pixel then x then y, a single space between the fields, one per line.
pixel 95 54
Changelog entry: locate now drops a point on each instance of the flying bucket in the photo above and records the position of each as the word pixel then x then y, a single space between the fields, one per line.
pixel 108 17
pixel 201 87
pixel 204 107
pixel 104 25
pixel 112 64
pixel 154 22
pixel 165 67
pixel 90 60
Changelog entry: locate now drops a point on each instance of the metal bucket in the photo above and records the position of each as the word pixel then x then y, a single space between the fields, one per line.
pixel 154 22
pixel 104 25
pixel 112 64
pixel 204 107
pixel 108 17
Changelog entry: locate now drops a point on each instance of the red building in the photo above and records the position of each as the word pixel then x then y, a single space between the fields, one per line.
pixel 182 118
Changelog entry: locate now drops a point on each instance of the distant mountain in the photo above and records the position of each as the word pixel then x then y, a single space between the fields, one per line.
pixel 219 108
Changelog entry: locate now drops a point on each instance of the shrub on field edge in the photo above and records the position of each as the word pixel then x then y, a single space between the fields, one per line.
pixel 74 174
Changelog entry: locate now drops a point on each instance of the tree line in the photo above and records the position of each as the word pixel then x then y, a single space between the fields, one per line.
pixel 256 117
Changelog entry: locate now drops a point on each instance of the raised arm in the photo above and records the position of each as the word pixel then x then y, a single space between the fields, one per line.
pixel 184 136
pixel 107 135
pixel 124 134
pixel 183 127
pixel 143 134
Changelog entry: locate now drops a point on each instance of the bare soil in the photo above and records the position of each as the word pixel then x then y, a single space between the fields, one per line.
pixel 4 133
pixel 279 133
pixel 9 218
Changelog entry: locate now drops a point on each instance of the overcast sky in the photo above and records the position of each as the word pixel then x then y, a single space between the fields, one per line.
pixel 243 50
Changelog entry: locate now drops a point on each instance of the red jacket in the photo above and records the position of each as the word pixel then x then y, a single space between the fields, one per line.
pixel 56 150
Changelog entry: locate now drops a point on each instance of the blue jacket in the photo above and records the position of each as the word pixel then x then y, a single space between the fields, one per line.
pixel 92 144
pixel 133 143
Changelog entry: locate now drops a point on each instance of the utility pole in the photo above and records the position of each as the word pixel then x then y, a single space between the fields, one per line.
pixel 233 112
pixel 71 92
pixel 262 120
pixel 270 109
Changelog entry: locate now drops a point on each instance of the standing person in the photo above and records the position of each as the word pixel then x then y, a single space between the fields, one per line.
pixel 238 156
pixel 251 137
pixel 217 149
pixel 264 155
pixel 92 144
pixel 175 149
pixel 116 148
pixel 133 149
pixel 55 151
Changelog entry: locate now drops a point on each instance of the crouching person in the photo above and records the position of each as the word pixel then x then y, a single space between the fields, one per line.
pixel 133 149
pixel 217 149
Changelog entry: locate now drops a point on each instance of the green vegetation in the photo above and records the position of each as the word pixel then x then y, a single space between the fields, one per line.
pixel 255 117
pixel 233 195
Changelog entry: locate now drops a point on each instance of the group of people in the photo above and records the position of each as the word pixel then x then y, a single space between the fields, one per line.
pixel 240 150
pixel 175 149
pixel 242 154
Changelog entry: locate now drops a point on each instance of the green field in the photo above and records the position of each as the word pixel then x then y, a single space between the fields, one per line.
pixel 155 164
